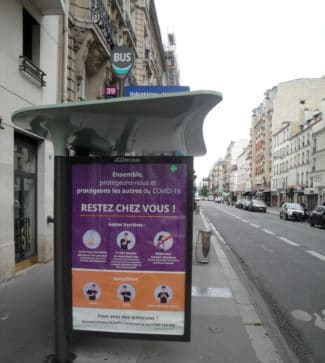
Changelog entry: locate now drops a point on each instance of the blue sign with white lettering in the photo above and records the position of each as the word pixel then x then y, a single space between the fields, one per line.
pixel 153 90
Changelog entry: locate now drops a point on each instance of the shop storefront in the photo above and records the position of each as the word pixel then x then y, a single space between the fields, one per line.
pixel 25 192
pixel 311 195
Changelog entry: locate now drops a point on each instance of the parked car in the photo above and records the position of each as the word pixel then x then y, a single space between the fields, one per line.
pixel 257 205
pixel 219 200
pixel 210 198
pixel 317 216
pixel 239 203
pixel 306 212
pixel 245 203
pixel 292 211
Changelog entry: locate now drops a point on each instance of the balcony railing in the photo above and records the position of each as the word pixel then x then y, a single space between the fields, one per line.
pixel 130 27
pixel 26 66
pixel 100 18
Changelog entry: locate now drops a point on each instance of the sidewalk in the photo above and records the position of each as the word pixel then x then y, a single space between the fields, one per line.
pixel 225 326
pixel 273 210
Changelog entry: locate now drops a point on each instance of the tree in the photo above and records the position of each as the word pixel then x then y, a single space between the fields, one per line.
pixel 204 191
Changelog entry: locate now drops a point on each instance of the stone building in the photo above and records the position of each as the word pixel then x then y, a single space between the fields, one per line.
pixel 261 139
pixel 95 27
pixel 298 172
pixel 244 178
pixel 293 97
pixel 58 51
pixel 285 102
pixel 316 192
pixel 216 188
pixel 230 167
pixel 30 59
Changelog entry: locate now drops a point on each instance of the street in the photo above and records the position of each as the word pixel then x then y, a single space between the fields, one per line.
pixel 286 262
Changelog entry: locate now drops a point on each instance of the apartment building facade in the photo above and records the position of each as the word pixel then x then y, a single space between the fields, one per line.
pixel 285 102
pixel 216 178
pixel 95 28
pixel 30 62
pixel 244 179
pixel 297 162
pixel 316 190
pixel 58 51
pixel 261 140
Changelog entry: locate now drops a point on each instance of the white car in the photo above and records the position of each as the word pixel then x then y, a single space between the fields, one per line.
pixel 292 211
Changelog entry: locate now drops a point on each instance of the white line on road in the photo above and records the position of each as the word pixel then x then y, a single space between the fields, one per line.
pixel 254 225
pixel 268 232
pixel 245 220
pixel 316 254
pixel 217 233
pixel 289 242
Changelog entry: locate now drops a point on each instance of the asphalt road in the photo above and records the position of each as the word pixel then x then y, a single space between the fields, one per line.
pixel 286 262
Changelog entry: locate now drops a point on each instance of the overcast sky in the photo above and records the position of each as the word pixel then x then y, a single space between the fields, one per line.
pixel 241 49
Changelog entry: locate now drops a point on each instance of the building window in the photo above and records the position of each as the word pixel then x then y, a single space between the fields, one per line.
pixel 31 38
pixel 30 59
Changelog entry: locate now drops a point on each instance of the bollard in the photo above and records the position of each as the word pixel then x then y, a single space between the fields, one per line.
pixel 205 237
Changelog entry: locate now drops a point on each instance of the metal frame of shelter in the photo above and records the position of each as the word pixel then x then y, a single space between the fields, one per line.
pixel 164 125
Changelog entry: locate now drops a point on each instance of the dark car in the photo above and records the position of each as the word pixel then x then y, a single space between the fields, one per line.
pixel 292 211
pixel 317 216
pixel 239 203
pixel 306 212
pixel 257 205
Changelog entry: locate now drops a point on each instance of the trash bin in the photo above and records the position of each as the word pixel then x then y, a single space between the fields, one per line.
pixel 204 241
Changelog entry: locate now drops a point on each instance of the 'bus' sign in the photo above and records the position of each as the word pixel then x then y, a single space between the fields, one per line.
pixel 122 59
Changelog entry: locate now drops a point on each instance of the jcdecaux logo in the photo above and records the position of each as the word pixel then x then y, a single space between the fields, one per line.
pixel 122 59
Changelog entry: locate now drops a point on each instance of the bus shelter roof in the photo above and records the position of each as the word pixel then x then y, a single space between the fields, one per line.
pixel 151 125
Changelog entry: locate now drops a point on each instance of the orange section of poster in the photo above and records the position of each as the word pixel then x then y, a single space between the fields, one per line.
pixel 128 291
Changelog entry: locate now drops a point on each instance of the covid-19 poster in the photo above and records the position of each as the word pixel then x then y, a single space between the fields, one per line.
pixel 131 241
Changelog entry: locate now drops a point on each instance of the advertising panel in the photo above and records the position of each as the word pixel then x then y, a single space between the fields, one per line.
pixel 131 245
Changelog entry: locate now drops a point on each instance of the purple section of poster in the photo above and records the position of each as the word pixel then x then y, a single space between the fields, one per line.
pixel 129 216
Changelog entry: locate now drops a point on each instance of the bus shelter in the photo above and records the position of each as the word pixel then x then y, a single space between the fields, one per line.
pixel 123 184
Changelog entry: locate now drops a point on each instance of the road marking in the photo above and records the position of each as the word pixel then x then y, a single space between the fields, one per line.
pixel 255 225
pixel 245 220
pixel 237 217
pixel 315 318
pixel 316 254
pixel 267 249
pixel 289 242
pixel 268 232
pixel 217 233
